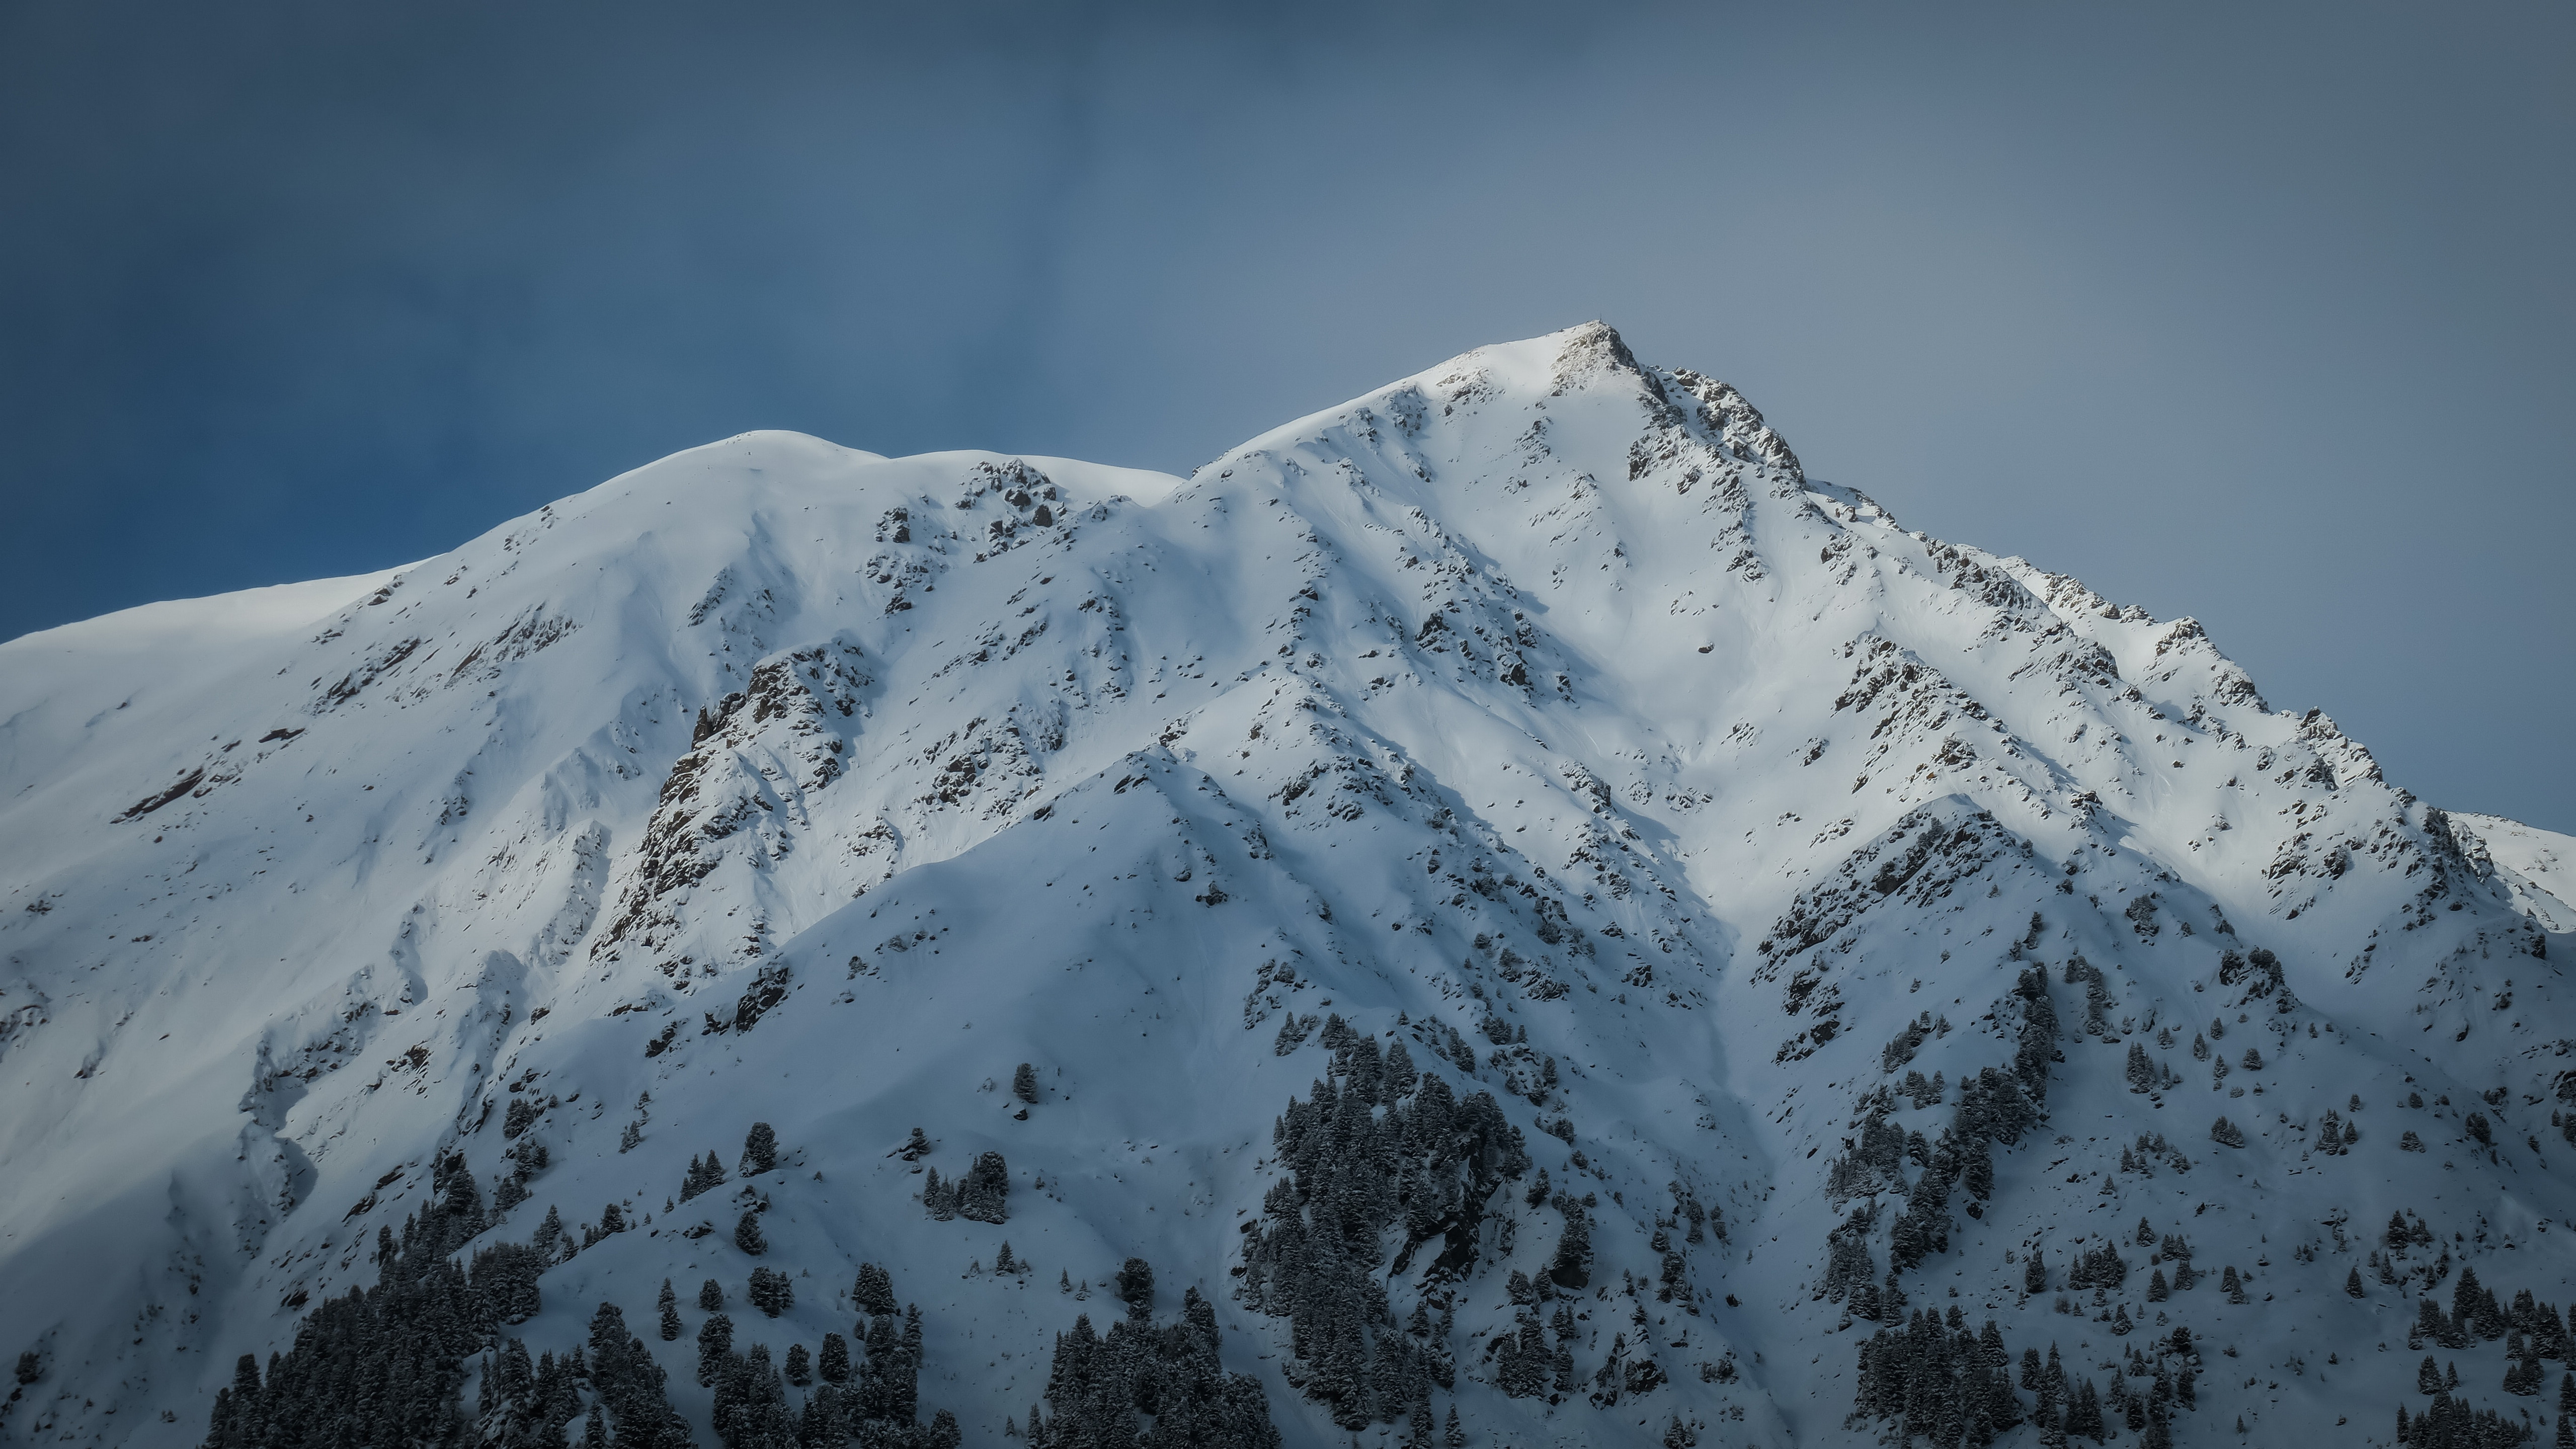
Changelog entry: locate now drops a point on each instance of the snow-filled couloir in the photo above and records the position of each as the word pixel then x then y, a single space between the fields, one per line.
pixel 1501 912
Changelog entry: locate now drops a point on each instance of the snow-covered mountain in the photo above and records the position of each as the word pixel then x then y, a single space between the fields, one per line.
pixel 1514 901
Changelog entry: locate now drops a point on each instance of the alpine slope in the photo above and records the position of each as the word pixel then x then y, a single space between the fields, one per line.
pixel 1500 912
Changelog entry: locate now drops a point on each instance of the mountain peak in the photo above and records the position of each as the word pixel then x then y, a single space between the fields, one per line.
pixel 1669 914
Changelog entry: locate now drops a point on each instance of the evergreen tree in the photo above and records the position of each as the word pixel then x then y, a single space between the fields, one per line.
pixel 2036 1044
pixel 2159 1427
pixel 980 1195
pixel 629 1382
pixel 751 1403
pixel 2101 1267
pixel 771 1291
pixel 759 1150
pixel 1977 1169
pixel 746 1234
pixel 1571 1265
pixel 2084 1414
pixel 2034 1274
pixel 833 1364
pixel 551 1238
pixel 1024 1083
pixel 711 1296
pixel 1523 1371
pixel 715 1341
pixel 825 1420
pixel 874 1292
pixel 669 1304
pixel 1136 1287
pixel 906 1401
pixel 1097 1385
pixel 1998 1407
pixel 2523 1375
pixel 703 1174
pixel 1361 1156
pixel 392 1356
pixel 2141 1069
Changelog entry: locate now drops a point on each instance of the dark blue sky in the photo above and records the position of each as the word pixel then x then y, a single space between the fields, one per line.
pixel 2260 314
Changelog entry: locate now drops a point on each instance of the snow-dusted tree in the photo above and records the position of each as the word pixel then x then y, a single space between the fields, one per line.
pixel 759 1150
pixel 2084 1413
pixel 982 1194
pixel 715 1342
pixel 2141 1069
pixel 874 1291
pixel 703 1173
pixel 1136 1287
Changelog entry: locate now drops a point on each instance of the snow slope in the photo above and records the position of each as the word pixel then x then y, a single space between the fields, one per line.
pixel 2539 866
pixel 1540 688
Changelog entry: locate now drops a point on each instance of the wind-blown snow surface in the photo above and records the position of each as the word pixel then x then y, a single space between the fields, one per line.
pixel 1538 686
